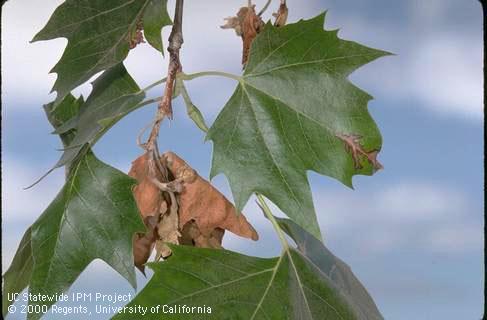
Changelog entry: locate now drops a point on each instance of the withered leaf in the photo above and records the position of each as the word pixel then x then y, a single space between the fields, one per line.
pixel 200 202
pixel 144 243
pixel 247 24
pixel 191 235
pixel 281 15
pixel 153 207
pixel 197 215
pixel 148 196
pixel 168 228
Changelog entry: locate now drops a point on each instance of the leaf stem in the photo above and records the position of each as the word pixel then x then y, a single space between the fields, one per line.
pixel 270 216
pixel 155 84
pixel 191 76
pixel 187 77
pixel 146 102
pixel 264 8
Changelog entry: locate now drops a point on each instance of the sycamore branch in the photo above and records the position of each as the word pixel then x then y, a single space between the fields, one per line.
pixel 157 168
pixel 165 106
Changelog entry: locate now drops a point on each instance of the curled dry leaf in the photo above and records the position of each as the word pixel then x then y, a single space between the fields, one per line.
pixel 281 15
pixel 191 235
pixel 168 228
pixel 149 199
pixel 247 24
pixel 144 243
pixel 198 215
pixel 158 212
pixel 206 206
pixel 137 37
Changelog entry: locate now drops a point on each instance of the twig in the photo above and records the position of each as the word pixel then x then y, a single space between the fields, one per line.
pixel 157 170
pixel 165 106
pixel 261 12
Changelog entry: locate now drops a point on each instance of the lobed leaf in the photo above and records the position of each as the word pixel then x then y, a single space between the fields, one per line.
pixel 294 110
pixel 236 286
pixel 94 216
pixel 114 95
pixel 156 18
pixel 99 35
pixel 337 271
pixel 68 110
pixel 18 275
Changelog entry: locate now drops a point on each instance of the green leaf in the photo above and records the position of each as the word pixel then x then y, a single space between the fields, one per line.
pixel 193 112
pixel 98 33
pixel 236 286
pixel 156 18
pixel 67 110
pixel 94 216
pixel 335 269
pixel 294 110
pixel 17 277
pixel 114 95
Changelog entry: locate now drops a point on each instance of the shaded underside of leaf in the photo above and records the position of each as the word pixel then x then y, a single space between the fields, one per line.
pixel 335 269
pixel 235 286
pixel 114 95
pixel 68 110
pixel 289 114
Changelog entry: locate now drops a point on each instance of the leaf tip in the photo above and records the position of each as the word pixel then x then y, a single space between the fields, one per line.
pixel 320 18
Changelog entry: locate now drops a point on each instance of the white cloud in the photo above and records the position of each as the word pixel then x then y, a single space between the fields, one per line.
pixel 415 202
pixel 438 68
pixel 422 215
pixel 456 238
pixel 21 206
pixel 445 73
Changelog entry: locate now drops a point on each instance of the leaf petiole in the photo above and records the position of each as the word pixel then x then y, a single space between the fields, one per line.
pixel 188 77
pixel 270 216
pixel 184 76
pixel 155 84
pixel 146 102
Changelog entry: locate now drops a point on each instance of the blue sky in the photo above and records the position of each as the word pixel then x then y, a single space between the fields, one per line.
pixel 412 233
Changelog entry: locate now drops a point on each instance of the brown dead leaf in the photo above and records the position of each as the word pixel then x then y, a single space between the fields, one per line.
pixel 162 223
pixel 137 37
pixel 352 144
pixel 201 203
pixel 196 215
pixel 247 24
pixel 147 195
pixel 167 229
pixel 281 15
pixel 192 236
pixel 149 199
pixel 144 243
